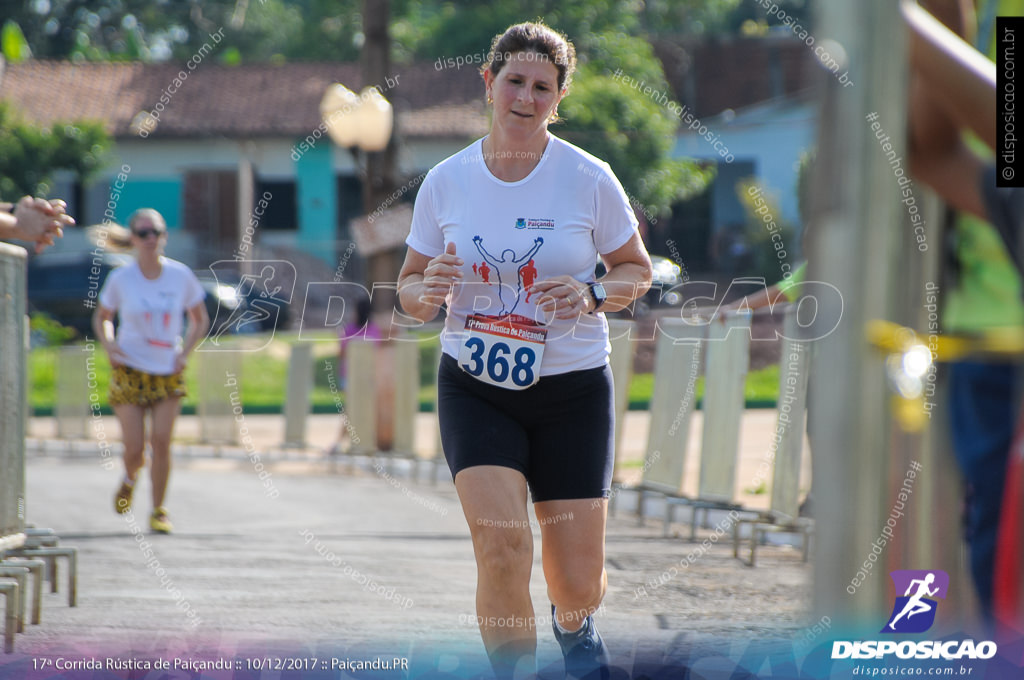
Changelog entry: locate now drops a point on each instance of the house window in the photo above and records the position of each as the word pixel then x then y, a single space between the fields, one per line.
pixel 281 213
pixel 350 202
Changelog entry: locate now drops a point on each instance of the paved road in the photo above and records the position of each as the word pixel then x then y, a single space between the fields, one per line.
pixel 327 561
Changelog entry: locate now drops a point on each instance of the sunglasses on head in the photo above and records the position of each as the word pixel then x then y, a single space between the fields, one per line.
pixel 146 233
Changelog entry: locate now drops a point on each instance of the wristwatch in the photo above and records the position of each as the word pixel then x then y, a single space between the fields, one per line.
pixel 598 293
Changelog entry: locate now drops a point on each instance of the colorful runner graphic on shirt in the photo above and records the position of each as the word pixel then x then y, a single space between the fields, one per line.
pixel 509 268
pixel 157 320
pixel 483 271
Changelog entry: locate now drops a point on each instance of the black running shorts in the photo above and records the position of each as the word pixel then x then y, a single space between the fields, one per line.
pixel 558 432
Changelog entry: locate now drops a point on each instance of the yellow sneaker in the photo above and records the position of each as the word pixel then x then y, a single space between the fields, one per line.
pixel 159 522
pixel 123 499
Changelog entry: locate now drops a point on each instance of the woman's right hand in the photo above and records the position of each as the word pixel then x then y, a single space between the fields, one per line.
pixel 440 274
pixel 114 353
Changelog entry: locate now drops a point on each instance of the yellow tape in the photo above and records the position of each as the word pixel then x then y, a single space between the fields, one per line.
pixel 892 338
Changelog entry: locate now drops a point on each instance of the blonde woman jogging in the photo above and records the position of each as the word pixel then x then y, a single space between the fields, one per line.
pixel 148 355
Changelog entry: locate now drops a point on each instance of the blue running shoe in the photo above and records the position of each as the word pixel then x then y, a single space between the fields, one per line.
pixel 586 657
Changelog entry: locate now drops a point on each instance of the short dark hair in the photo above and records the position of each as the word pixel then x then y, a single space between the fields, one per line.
pixel 533 37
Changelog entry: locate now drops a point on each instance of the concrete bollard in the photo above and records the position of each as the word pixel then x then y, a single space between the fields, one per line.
pixel 360 403
pixel 298 394
pixel 71 410
pixel 219 377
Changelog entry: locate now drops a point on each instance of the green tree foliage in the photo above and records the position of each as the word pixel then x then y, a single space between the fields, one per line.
pixel 161 30
pixel 431 28
pixel 629 129
pixel 665 18
pixel 89 30
pixel 326 30
pixel 13 44
pixel 632 131
pixel 752 17
pixel 30 155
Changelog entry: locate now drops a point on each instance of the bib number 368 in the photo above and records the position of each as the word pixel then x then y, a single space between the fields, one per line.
pixel 497 363
pixel 501 353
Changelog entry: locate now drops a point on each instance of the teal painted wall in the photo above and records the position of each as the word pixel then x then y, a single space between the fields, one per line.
pixel 164 195
pixel 317 202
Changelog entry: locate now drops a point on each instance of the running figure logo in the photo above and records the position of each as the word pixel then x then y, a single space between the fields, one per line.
pixel 914 611
pixel 508 269
pixel 261 298
pixel 257 290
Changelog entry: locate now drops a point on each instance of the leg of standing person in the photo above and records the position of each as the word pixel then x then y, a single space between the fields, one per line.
pixel 982 421
pixel 494 502
pixel 132 419
pixel 165 412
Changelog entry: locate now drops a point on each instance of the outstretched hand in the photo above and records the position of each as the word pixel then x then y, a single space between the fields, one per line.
pixel 39 220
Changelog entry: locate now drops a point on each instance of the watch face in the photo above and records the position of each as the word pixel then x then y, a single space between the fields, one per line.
pixel 597 290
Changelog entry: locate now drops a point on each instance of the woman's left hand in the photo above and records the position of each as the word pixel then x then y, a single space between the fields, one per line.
pixel 563 295
pixel 180 361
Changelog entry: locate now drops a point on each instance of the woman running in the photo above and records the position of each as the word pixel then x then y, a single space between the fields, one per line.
pixel 147 355
pixel 524 386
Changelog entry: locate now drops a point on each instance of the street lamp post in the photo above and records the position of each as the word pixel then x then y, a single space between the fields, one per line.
pixel 365 123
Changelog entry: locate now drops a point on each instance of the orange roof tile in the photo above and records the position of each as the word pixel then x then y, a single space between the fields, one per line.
pixel 252 100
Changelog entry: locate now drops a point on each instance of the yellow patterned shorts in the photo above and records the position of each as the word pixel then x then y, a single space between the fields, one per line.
pixel 132 386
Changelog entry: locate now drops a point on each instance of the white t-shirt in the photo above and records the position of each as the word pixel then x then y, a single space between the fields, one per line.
pixel 151 312
pixel 556 221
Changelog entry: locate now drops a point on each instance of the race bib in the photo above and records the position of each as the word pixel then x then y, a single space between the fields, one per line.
pixel 504 351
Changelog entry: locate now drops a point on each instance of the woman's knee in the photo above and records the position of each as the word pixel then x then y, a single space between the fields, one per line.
pixel 505 553
pixel 582 586
pixel 134 460
pixel 161 447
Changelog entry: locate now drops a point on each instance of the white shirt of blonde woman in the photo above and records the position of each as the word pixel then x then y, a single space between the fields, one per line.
pixel 151 312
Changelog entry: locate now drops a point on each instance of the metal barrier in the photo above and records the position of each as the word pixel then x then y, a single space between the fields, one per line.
pixel 620 334
pixel 13 395
pixel 677 362
pixel 785 451
pixel 726 361
pixel 728 358
pixel 13 401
